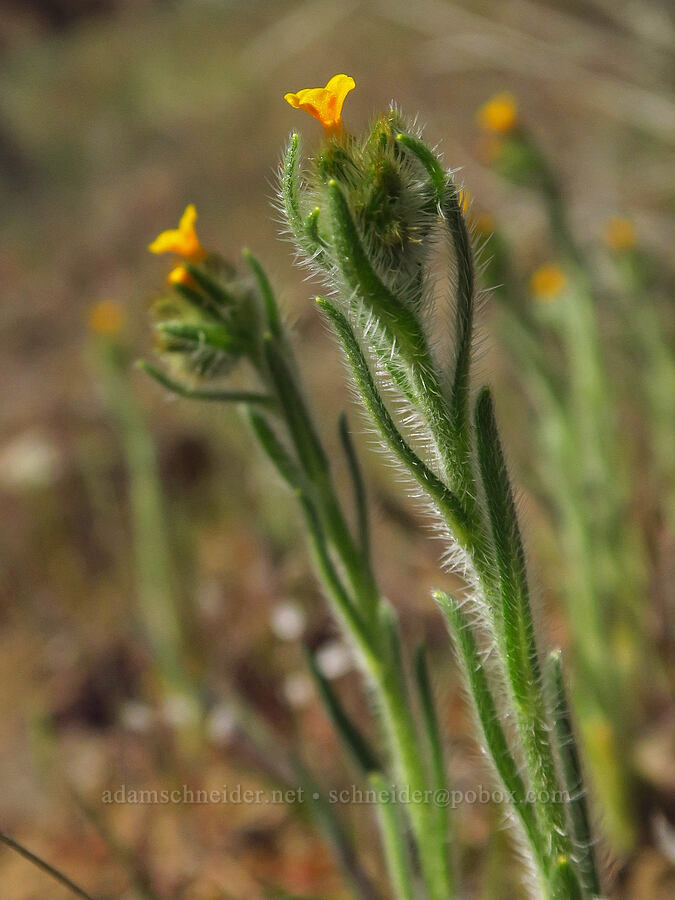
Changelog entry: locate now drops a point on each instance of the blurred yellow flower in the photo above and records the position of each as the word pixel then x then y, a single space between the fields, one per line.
pixel 483 224
pixel 180 275
pixel 465 200
pixel 182 240
pixel 106 318
pixel 620 234
pixel 547 282
pixel 325 104
pixel 499 114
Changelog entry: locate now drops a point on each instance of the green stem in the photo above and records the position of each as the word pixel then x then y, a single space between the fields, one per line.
pixel 404 742
pixel 395 849
pixel 328 528
pixel 435 745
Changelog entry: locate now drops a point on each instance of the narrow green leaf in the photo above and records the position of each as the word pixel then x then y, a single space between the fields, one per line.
pixel 344 605
pixel 464 311
pixel 290 192
pixel 428 707
pixel 405 329
pixel 312 229
pixel 357 744
pixel 183 390
pixel 516 626
pixel 428 159
pixel 326 815
pixel 447 503
pixel 307 444
pixel 488 719
pixel 266 292
pixel 517 622
pixel 572 775
pixel 360 499
pixel 448 198
pixel 287 468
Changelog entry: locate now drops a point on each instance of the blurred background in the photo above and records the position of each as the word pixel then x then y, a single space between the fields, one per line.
pixel 114 116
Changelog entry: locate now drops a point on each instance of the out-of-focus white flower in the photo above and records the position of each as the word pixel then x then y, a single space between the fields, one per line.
pixel 137 716
pixel 30 460
pixel 179 710
pixel 221 724
pixel 298 689
pixel 334 659
pixel 287 621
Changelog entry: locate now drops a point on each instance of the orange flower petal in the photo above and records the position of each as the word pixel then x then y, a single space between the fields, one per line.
pixel 324 104
pixel 182 240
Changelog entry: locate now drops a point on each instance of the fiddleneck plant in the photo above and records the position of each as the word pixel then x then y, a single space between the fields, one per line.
pixel 366 215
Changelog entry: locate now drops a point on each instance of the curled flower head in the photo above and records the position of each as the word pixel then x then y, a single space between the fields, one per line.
pixel 500 114
pixel 182 240
pixel 106 318
pixel 547 282
pixel 325 104
pixel 620 234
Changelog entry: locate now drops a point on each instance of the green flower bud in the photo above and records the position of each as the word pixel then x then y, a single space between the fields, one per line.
pixel 209 321
pixel 389 199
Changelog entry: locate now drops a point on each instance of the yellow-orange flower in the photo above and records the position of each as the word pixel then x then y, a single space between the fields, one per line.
pixel 547 282
pixel 483 224
pixel 180 275
pixel 325 104
pixel 182 240
pixel 500 114
pixel 465 199
pixel 620 234
pixel 106 318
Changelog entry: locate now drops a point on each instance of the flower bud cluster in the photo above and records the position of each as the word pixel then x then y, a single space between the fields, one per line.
pixel 388 196
pixel 209 318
